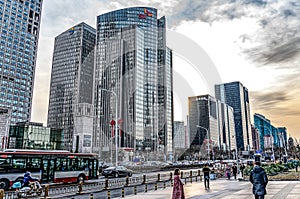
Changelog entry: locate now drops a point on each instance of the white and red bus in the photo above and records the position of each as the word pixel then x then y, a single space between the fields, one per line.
pixel 50 166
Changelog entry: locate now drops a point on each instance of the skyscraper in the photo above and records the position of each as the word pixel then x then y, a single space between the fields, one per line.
pixel 203 121
pixel 236 95
pixel 71 88
pixel 133 74
pixel 19 30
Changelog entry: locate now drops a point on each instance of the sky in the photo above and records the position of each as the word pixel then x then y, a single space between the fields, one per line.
pixel 256 42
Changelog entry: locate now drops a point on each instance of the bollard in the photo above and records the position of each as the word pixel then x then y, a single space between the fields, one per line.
pixel 108 194
pixel 164 184
pixel 106 183
pixel 127 181
pixel 123 192
pixel 158 177
pixel 144 179
pixel 146 188
pixel 155 186
pixel 134 188
pixel 91 196
pixel 80 187
pixel 46 191
pixel 171 175
pixel 181 175
pixel 1 193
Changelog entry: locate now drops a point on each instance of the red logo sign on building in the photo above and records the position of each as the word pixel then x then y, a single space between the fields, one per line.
pixel 146 14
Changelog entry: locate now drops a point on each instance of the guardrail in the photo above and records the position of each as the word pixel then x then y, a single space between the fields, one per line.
pixel 120 186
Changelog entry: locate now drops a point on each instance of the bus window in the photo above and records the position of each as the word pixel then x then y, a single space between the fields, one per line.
pixel 33 164
pixel 5 165
pixel 19 163
pixel 61 164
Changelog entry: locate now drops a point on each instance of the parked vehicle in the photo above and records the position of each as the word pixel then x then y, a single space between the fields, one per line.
pixel 117 171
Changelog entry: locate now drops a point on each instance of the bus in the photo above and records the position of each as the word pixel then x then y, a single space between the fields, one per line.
pixel 50 166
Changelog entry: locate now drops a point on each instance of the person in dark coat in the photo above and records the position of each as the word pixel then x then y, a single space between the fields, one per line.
pixel 206 172
pixel 259 180
pixel 234 170
pixel 28 178
pixel 242 168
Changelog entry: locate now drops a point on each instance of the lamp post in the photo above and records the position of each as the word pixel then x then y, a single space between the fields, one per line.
pixel 272 141
pixel 8 121
pixel 207 137
pixel 116 122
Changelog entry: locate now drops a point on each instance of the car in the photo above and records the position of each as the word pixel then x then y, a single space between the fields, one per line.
pixel 117 171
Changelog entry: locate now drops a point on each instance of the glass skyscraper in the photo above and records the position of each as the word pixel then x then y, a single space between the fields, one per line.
pixel 71 88
pixel 236 95
pixel 134 71
pixel 19 30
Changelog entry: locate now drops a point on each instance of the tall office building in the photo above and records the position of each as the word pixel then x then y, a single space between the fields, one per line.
pixel 211 121
pixel 19 30
pixel 133 81
pixel 203 121
pixel 227 141
pixel 236 95
pixel 71 88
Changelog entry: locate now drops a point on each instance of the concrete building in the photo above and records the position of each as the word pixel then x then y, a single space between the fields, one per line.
pixel 19 30
pixel 133 82
pixel 71 87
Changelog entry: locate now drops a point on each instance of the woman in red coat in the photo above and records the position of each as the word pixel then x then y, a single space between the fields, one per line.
pixel 178 191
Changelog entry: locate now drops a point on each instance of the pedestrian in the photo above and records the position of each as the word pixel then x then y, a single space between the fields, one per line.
pixel 234 170
pixel 242 168
pixel 228 172
pixel 259 180
pixel 178 190
pixel 206 172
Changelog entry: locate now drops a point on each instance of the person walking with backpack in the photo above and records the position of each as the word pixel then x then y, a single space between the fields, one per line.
pixel 259 180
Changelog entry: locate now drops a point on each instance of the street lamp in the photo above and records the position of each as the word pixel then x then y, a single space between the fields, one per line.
pixel 207 137
pixel 8 112
pixel 272 141
pixel 116 122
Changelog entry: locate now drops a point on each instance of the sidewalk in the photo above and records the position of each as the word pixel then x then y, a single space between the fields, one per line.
pixel 227 189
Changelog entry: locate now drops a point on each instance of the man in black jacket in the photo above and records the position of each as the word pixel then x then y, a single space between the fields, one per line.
pixel 259 179
pixel 206 171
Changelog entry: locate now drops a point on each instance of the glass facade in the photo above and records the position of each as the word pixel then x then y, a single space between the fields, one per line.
pixel 130 52
pixel 203 113
pixel 28 135
pixel 236 95
pixel 71 87
pixel 268 134
pixel 19 31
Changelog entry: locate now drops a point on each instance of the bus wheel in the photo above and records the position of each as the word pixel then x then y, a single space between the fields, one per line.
pixel 80 178
pixel 4 184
